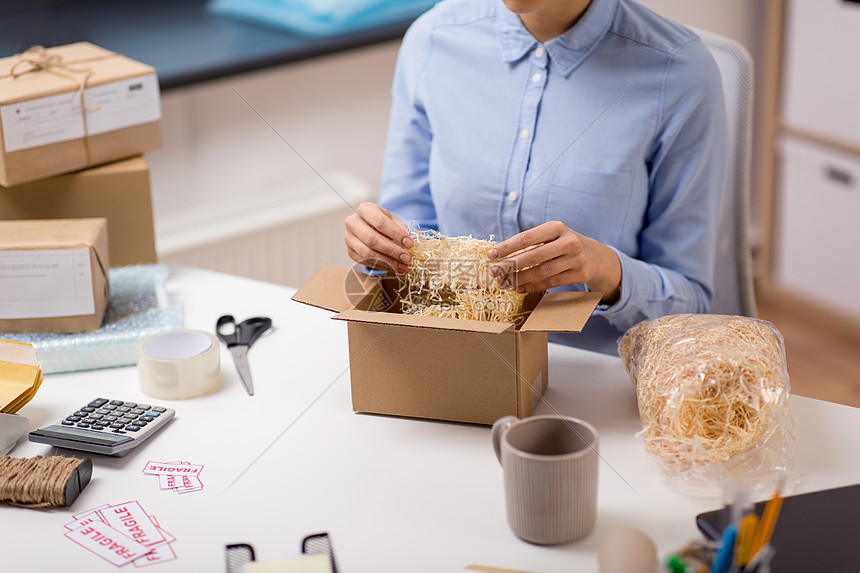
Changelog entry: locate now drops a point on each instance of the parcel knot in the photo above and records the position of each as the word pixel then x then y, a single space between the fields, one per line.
pixel 38 59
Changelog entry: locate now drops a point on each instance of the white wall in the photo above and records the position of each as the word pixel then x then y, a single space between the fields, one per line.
pixel 331 112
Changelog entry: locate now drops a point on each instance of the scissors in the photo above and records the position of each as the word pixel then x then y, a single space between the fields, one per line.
pixel 239 338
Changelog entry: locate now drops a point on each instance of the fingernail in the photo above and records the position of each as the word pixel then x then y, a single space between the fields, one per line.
pixel 493 253
pixel 403 268
pixel 494 271
pixel 405 257
pixel 407 242
pixel 521 289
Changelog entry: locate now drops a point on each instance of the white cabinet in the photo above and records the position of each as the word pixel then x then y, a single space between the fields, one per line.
pixel 821 83
pixel 818 225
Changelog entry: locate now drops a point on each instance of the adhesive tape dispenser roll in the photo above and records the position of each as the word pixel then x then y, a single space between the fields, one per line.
pixel 179 364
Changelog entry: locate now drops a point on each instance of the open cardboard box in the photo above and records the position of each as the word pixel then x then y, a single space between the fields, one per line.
pixel 442 368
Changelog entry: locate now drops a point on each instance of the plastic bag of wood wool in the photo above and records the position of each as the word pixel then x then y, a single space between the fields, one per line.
pixel 713 396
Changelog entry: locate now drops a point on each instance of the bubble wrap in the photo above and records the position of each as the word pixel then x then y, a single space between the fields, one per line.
pixel 138 307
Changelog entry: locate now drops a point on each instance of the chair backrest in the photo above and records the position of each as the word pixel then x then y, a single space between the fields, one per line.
pixel 733 276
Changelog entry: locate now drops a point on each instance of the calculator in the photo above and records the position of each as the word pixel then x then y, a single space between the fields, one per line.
pixel 104 426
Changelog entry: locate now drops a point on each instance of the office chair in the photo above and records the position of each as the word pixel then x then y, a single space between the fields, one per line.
pixel 733 276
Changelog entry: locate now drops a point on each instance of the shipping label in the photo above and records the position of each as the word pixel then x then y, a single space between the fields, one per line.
pixel 46 283
pixel 52 119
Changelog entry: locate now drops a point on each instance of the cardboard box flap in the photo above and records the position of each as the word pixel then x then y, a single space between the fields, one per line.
pixel 433 322
pixel 338 289
pixel 562 311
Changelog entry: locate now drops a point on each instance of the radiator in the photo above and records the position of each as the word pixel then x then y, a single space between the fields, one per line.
pixel 280 234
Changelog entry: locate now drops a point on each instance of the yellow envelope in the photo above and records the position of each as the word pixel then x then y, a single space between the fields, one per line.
pixel 20 375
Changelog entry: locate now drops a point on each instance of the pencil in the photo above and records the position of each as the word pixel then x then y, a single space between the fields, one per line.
pixel 746 538
pixel 768 522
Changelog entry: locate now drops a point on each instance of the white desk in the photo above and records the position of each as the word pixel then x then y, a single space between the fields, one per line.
pixel 395 494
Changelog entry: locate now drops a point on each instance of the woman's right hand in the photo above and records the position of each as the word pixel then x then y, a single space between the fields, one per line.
pixel 377 238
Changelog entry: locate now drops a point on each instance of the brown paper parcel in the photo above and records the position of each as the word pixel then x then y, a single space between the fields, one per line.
pixel 28 261
pixel 120 192
pixel 443 368
pixel 45 131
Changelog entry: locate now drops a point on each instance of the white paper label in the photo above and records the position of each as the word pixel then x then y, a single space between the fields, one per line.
pixel 122 104
pixel 41 121
pixel 53 119
pixel 46 283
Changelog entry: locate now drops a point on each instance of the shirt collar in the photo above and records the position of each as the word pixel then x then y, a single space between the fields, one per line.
pixel 569 49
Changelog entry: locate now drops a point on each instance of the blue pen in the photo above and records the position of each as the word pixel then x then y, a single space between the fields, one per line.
pixel 723 560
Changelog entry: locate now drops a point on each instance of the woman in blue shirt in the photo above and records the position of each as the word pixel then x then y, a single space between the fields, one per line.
pixel 588 136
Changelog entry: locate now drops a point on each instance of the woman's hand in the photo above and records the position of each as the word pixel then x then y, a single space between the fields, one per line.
pixel 377 238
pixel 552 255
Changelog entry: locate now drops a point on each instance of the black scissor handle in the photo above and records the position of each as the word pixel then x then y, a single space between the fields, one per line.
pixel 250 329
pixel 226 329
pixel 245 332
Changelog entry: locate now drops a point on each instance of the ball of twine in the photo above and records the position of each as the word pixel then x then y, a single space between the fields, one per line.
pixel 36 482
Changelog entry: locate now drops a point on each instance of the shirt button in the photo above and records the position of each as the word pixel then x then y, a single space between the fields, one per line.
pixel 512 196
pixel 539 52
pixel 524 134
pixel 536 78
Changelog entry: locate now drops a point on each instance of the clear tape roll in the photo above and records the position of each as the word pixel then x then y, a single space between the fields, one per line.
pixel 179 364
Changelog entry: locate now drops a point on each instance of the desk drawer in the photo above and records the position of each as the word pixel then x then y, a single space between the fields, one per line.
pixel 818 225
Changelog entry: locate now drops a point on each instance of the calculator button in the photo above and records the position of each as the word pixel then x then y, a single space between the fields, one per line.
pixel 98 402
pixel 153 414
pixel 116 402
pixel 80 413
pixel 74 418
pixel 82 425
pixel 117 425
pixel 131 428
pixel 143 420
pixel 144 406
pixel 123 409
pixel 137 411
pixel 130 404
pixel 125 420
pixel 119 431
pixel 110 418
pixel 67 423
pixel 158 409
pixel 88 409
pixel 95 416
pixel 98 427
pixel 109 407
pixel 89 421
pixel 102 411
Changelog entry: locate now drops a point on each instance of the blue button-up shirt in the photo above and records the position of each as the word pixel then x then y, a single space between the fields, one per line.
pixel 617 128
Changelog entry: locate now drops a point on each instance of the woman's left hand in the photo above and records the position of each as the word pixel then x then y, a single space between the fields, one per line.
pixel 552 255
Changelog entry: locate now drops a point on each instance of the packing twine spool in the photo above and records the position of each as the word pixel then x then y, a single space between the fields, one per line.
pixel 37 482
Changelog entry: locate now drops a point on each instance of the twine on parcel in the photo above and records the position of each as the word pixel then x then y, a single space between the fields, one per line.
pixel 39 60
